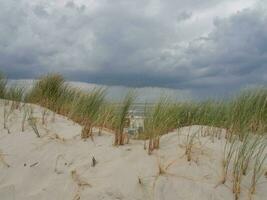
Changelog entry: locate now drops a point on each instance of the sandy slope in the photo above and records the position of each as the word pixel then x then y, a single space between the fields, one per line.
pixel 58 166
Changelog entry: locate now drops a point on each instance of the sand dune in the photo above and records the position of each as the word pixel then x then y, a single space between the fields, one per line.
pixel 58 165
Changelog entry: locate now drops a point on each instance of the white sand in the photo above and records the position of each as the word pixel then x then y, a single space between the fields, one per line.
pixel 57 166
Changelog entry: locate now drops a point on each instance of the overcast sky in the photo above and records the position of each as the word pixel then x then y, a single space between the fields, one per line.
pixel 195 47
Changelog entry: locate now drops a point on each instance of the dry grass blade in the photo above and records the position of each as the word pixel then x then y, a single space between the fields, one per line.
pixel 3 82
pixel 189 145
pixel 258 171
pixel 33 124
pixel 229 150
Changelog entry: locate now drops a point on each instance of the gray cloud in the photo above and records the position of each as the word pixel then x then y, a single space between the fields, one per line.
pixel 171 44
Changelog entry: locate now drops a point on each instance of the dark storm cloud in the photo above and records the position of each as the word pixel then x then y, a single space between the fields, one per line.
pixel 236 49
pixel 135 43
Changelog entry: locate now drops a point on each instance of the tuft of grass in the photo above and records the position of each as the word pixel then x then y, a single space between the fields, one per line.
pixel 33 123
pixel 158 121
pixel 229 150
pixel 66 100
pixel 87 110
pixel 190 138
pixel 16 95
pixel 238 159
pixel 26 112
pixel 120 119
pixel 252 142
pixel 7 112
pixel 245 154
pixel 47 90
pixel 3 82
pixel 258 172
pixel 105 117
pixel 248 112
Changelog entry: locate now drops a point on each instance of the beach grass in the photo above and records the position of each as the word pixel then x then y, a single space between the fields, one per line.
pixel 3 82
pixel 241 114
pixel 87 109
pixel 158 121
pixel 120 120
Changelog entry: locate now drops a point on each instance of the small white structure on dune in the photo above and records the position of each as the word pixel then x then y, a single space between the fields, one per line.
pixel 136 123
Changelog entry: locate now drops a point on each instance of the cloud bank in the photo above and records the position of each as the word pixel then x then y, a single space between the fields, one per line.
pixel 208 47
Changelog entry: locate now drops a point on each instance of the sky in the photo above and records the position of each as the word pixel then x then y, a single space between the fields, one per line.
pixel 195 48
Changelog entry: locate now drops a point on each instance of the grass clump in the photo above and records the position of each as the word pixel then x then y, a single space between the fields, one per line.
pixel 27 111
pixel 248 112
pixel 158 121
pixel 257 170
pixel 120 120
pixel 105 117
pixel 246 156
pixel 53 93
pixel 47 90
pixel 87 109
pixel 66 100
pixel 33 123
pixel 7 112
pixel 190 138
pixel 16 95
pixel 3 82
pixel 229 150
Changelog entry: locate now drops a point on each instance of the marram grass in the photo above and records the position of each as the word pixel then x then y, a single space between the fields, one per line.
pixel 87 109
pixel 120 120
pixel 246 112
pixel 158 120
pixel 3 82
